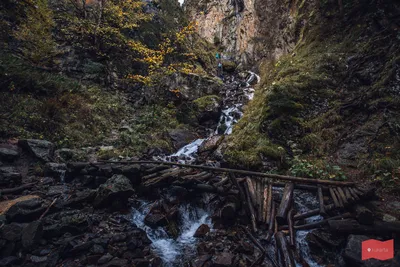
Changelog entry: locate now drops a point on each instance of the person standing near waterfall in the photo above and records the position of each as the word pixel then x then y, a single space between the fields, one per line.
pixel 219 65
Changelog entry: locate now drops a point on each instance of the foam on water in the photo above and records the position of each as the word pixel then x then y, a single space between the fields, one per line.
pixel 172 250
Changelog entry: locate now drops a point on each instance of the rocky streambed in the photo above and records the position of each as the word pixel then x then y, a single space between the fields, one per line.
pixel 92 214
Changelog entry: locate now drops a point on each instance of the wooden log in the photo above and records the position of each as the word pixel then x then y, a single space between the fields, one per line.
pixel 156 169
pixel 342 195
pixel 252 191
pixel 313 212
pixel 334 198
pixel 265 205
pixel 271 224
pixel 159 173
pixel 305 187
pixel 353 194
pixel 354 227
pixel 250 173
pixel 341 205
pixel 222 182
pixel 198 176
pixel 292 240
pixel 321 202
pixel 348 194
pixel 286 204
pixel 260 194
pixel 235 182
pixel 250 208
pixel 269 204
pixel 286 253
pixel 363 215
pixel 317 224
pixel 209 189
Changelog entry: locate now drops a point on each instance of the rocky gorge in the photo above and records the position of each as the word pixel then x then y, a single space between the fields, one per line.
pixel 156 156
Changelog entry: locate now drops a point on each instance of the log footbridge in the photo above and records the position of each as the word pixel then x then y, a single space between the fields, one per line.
pixel 340 202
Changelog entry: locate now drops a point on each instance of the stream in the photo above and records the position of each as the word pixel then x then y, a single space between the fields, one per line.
pixel 175 251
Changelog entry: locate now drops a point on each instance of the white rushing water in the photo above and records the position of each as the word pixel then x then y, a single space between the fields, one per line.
pixel 230 115
pixel 171 250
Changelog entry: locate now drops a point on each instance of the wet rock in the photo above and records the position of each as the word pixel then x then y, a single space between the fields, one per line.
pixel 55 170
pixel 97 249
pixel 41 149
pixel 74 224
pixel 32 234
pixel 245 247
pixel 9 261
pixel 223 259
pixel 56 190
pixel 66 154
pixel 202 231
pixel 9 176
pixel 202 261
pixel 11 232
pixel 7 154
pixel 155 220
pixel 38 259
pixel 141 263
pixel 25 211
pixel 132 172
pixel 228 65
pixel 388 218
pixel 117 189
pixel 116 263
pixel 106 258
pixel 204 248
pixel 181 137
pixel 211 144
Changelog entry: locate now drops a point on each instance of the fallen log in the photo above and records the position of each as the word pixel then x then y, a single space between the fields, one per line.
pixel 235 182
pixel 341 205
pixel 291 229
pixel 265 210
pixel 159 173
pixel 252 192
pixel 354 227
pixel 14 190
pixel 334 198
pixel 259 195
pixel 250 208
pixel 317 224
pixel 342 196
pixel 269 205
pixel 271 224
pixel 250 173
pixel 305 187
pixel 286 204
pixel 286 253
pixel 348 194
pixel 156 169
pixel 222 182
pixel 209 189
pixel 321 202
pixel 199 176
pixel 160 179
pixel 353 194
pixel 313 212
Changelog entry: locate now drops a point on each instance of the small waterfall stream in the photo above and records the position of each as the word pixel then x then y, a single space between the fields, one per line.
pixel 174 251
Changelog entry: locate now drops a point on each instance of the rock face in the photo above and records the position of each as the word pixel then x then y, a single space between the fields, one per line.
pixel 248 29
pixel 116 190
pixel 41 149
pixel 7 154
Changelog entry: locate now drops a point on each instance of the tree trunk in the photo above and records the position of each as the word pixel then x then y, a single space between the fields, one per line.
pixel 321 201
pixel 291 229
pixel 286 253
pixel 251 208
pixel 286 204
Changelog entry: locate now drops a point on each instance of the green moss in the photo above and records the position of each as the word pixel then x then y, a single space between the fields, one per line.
pixel 207 102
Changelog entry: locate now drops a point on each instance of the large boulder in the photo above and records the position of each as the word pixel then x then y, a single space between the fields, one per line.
pixel 66 154
pixel 8 154
pixel 32 234
pixel 41 149
pixel 115 190
pixel 211 144
pixel 208 110
pixel 202 231
pixel 181 137
pixel 155 220
pixel 11 232
pixel 25 211
pixel 9 176
pixel 132 172
pixel 55 170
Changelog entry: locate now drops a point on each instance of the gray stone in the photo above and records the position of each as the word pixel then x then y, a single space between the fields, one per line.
pixel 11 232
pixel 41 149
pixel 117 188
pixel 388 218
pixel 106 258
pixel 224 259
pixel 202 231
pixel 9 261
pixel 32 234
pixel 55 170
pixel 181 137
pixel 155 220
pixel 8 154
pixel 9 176
pixel 97 249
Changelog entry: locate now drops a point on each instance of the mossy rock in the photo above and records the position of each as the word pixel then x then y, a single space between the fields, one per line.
pixel 229 66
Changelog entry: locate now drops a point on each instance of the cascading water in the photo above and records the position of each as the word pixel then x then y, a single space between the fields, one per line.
pixel 171 250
